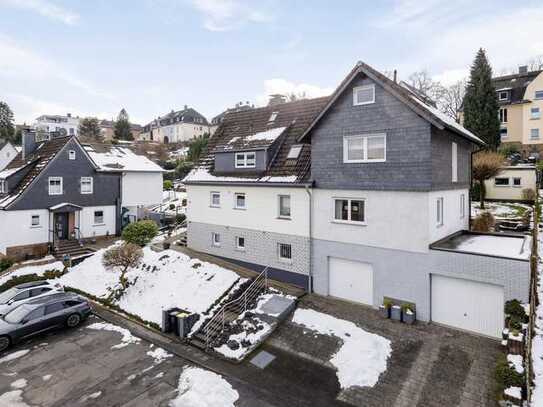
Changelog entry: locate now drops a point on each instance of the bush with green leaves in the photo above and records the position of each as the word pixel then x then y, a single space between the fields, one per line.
pixel 507 376
pixel 167 185
pixel 5 263
pixel 515 309
pixel 140 233
pixel 27 278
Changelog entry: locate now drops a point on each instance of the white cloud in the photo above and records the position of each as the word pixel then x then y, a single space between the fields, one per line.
pixel 451 76
pixel 285 87
pixel 225 15
pixel 44 8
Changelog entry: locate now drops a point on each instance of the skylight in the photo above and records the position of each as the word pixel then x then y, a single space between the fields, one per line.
pixel 273 117
pixel 294 152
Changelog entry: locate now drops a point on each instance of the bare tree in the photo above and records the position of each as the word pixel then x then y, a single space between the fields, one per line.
pixel 122 258
pixel 423 83
pixel 535 63
pixel 486 164
pixel 451 99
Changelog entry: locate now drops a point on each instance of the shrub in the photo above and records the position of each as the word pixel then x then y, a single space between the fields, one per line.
pixel 515 309
pixel 140 233
pixel 168 185
pixel 122 258
pixel 528 194
pixel 5 263
pixel 507 376
pixel 484 222
pixel 475 191
pixel 387 303
pixel 27 278
pixel 180 218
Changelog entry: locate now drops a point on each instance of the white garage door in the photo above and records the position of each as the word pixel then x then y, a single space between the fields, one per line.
pixel 351 280
pixel 468 305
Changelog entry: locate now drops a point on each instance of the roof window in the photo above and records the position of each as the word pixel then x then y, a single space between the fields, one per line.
pixel 294 152
pixel 273 117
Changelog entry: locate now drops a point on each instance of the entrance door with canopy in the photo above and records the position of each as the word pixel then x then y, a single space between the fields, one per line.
pixel 64 222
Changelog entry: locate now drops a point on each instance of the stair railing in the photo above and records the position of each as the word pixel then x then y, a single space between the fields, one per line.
pixel 238 306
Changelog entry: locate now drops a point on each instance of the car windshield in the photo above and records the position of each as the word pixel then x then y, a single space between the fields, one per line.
pixel 7 295
pixel 15 316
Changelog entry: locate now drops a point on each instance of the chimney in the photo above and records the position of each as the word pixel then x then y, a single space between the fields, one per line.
pixel 523 69
pixel 395 75
pixel 29 142
pixel 69 114
pixel 186 107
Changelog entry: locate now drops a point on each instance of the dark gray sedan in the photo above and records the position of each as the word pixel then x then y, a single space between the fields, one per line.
pixel 41 315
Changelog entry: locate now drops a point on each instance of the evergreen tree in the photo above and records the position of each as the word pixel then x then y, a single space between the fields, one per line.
pixel 197 147
pixel 89 129
pixel 481 104
pixel 122 129
pixel 7 130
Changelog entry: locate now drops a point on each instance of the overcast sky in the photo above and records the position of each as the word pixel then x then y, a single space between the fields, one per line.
pixel 152 56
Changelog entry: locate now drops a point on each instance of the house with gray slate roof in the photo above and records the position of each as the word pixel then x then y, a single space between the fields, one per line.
pixel 361 196
pixel 7 153
pixel 57 192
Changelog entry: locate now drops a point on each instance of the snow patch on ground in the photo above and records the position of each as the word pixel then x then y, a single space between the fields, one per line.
pixel 244 336
pixel 159 355
pixel 47 377
pixel 19 384
pixel 201 388
pixel 500 210
pixel 13 399
pixel 515 392
pixel 362 357
pixel 14 355
pixel 127 337
pixel 515 361
pixel 92 396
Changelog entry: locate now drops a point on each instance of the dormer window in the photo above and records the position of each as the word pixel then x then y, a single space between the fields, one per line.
pixel 364 95
pixel 245 160
pixel 294 152
pixel 71 155
pixel 503 95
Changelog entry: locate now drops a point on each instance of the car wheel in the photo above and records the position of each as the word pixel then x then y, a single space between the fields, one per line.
pixel 73 320
pixel 4 343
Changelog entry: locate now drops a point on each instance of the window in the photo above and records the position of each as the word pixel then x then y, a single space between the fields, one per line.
pixel 3 186
pixel 503 115
pixel 245 160
pixel 285 252
pixel 534 134
pixel 39 291
pixel 240 243
pixel 215 199
pixel 462 206
pixel 273 117
pixel 539 94
pixel 71 155
pixel 517 182
pixel 454 162
pixel 359 149
pixel 86 185
pixel 98 217
pixel 504 95
pixel 55 185
pixel 52 308
pixel 363 95
pixel 284 206
pixel 239 201
pixel 35 220
pixel 535 113
pixel 22 296
pixel 503 132
pixel 439 211
pixel 37 313
pixel 294 152
pixel 349 210
pixel 501 182
pixel 216 239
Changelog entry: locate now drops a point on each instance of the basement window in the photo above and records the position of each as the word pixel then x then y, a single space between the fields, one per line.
pixel 285 252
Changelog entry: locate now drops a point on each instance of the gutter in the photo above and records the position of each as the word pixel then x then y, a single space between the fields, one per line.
pixel 310 276
pixel 249 184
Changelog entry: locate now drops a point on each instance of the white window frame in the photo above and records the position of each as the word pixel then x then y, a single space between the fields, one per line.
pixel 279 200
pixel 363 87
pixel 504 185
pixel 239 247
pixel 364 138
pixel 532 137
pixel 504 134
pixel 103 217
pixel 86 181
pixel 439 211
pixel 540 92
pixel 537 115
pixel 513 183
pixel 49 185
pixel 236 194
pixel 501 93
pixel 454 159
pixel 281 258
pixel 71 155
pixel 243 161
pixel 462 206
pixel 211 203
pixel 349 221
pixel 35 225
pixel 214 241
pixel 503 115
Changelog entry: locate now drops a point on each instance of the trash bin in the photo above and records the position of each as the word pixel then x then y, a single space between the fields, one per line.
pixel 169 323
pixel 178 321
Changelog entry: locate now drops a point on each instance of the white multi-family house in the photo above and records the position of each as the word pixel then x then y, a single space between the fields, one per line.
pixel 68 125
pixel 57 190
pixel 362 196
pixel 176 127
pixel 7 153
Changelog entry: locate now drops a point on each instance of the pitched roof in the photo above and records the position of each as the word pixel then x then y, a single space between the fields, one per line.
pixel 35 162
pixel 186 115
pixel 412 99
pixel 516 84
pixel 113 158
pixel 252 128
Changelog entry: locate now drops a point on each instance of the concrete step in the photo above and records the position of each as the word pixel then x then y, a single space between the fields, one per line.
pixel 200 344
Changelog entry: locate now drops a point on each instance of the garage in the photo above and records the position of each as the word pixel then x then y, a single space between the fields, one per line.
pixel 469 305
pixel 350 280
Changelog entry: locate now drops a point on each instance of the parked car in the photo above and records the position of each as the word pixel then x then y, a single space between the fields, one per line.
pixel 22 293
pixel 41 315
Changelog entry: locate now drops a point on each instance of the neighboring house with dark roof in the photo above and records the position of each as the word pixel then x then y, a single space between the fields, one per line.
pixel 7 153
pixel 349 196
pixel 520 97
pixel 220 117
pixel 107 130
pixel 57 189
pixel 176 127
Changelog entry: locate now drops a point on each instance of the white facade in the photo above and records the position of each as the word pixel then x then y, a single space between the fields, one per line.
pixel 55 123
pixel 16 228
pixel 455 213
pixel 7 154
pixel 141 188
pixel 90 227
pixel 510 183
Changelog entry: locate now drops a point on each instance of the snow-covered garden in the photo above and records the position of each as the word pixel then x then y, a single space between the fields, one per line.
pixel 500 210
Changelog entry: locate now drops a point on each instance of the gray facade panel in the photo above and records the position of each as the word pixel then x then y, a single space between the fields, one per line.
pixel 106 187
pixel 442 160
pixel 408 149
pixel 225 162
pixel 407 275
pixel 260 247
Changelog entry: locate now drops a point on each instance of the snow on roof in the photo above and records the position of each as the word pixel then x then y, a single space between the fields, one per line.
pixel 503 89
pixel 270 135
pixel 492 245
pixel 203 175
pixel 122 159
pixel 447 120
pixel 6 173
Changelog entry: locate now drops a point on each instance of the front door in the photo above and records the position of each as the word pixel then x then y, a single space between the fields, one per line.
pixel 61 225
